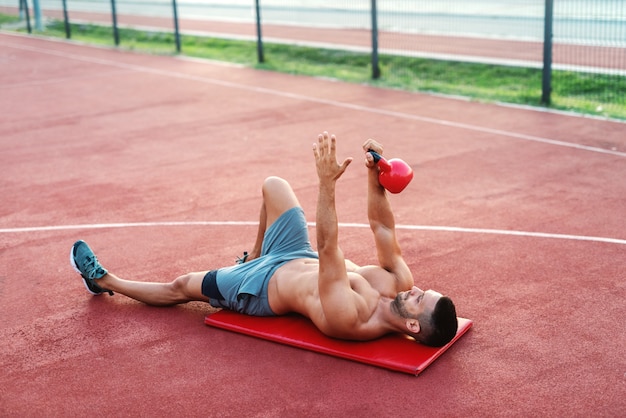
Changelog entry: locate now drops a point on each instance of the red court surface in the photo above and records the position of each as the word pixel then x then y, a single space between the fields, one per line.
pixel 157 162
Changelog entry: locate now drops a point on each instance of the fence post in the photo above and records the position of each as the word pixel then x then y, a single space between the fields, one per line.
pixel 259 39
pixel 25 4
pixel 116 34
pixel 375 66
pixel 176 31
pixel 68 30
pixel 37 12
pixel 546 83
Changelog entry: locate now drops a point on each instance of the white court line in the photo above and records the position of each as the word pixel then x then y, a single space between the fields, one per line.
pixel 312 224
pixel 345 105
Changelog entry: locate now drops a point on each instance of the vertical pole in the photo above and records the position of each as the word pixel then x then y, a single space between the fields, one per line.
pixel 68 30
pixel 546 84
pixel 176 31
pixel 116 34
pixel 375 67
pixel 259 40
pixel 25 4
pixel 37 12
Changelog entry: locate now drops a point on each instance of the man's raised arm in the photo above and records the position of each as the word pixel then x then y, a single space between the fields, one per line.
pixel 382 222
pixel 333 277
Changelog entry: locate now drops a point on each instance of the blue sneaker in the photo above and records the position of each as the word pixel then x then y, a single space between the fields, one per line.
pixel 86 264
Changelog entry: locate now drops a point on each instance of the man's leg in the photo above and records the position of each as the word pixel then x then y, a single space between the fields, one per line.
pixel 185 288
pixel 98 280
pixel 278 197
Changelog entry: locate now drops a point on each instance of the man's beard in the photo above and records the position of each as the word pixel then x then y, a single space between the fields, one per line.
pixel 397 305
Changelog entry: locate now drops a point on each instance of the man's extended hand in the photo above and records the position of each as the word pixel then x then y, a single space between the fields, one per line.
pixel 328 169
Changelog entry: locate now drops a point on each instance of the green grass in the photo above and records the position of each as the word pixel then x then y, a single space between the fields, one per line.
pixel 593 94
pixel 8 19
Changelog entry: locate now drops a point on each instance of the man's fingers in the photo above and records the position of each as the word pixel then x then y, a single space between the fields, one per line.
pixel 333 145
pixel 322 140
pixel 373 145
pixel 327 144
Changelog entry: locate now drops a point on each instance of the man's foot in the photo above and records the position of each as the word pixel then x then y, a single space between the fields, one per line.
pixel 86 264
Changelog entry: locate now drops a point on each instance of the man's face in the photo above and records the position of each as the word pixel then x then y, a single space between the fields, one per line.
pixel 415 302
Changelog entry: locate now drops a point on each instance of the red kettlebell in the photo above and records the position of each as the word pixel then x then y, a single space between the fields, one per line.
pixel 394 175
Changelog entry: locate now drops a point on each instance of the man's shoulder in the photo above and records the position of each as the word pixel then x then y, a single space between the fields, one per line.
pixel 383 281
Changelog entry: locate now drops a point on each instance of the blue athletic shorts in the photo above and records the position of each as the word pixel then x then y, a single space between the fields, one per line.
pixel 243 287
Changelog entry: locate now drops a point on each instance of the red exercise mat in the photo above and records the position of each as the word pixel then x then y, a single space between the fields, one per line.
pixel 394 351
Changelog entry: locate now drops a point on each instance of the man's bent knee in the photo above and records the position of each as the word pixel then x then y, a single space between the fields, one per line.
pixel 278 197
pixel 275 184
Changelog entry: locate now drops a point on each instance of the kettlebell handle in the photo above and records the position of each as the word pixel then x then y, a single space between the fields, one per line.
pixel 376 155
pixel 378 159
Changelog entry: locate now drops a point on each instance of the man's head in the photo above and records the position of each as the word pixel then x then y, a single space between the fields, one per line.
pixel 429 316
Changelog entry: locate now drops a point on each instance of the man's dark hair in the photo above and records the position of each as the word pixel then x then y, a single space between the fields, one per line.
pixel 439 328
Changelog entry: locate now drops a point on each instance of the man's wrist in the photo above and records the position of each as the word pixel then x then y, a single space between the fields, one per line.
pixel 373 177
pixel 327 185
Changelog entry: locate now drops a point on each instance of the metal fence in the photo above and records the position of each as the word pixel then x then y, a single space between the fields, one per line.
pixel 553 38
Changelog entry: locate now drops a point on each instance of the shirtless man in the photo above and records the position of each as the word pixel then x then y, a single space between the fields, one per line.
pixel 283 274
